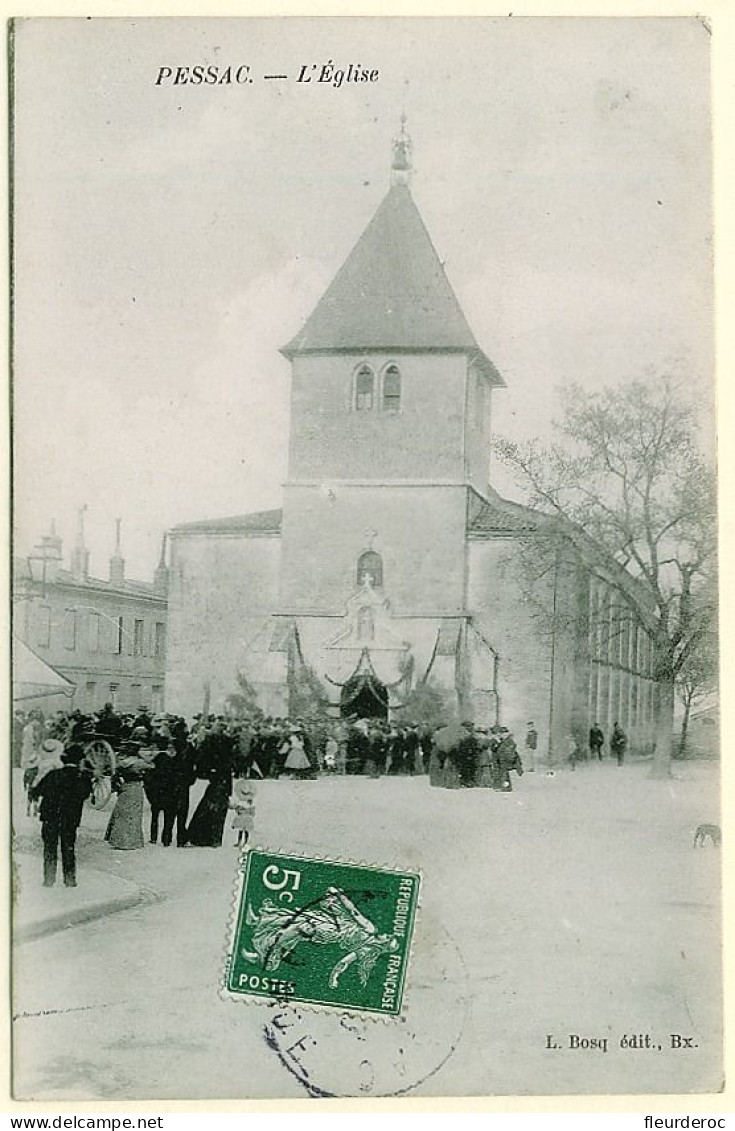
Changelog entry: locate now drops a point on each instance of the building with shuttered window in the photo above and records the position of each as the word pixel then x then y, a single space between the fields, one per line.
pixel 107 636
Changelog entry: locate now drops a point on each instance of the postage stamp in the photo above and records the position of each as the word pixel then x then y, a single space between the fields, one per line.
pixel 322 932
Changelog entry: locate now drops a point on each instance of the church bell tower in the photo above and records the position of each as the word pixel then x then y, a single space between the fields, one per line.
pixel 389 434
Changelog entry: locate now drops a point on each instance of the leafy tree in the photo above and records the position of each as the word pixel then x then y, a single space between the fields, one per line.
pixel 427 705
pixel 634 495
pixel 307 698
pixel 243 703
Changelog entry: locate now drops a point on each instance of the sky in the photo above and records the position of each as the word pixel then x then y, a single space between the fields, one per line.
pixel 170 239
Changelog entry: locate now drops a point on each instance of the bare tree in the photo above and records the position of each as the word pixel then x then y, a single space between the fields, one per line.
pixel 633 493
pixel 696 679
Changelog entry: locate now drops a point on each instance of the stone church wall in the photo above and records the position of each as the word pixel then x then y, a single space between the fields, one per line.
pixel 418 531
pixel 330 440
pixel 223 589
pixel 500 612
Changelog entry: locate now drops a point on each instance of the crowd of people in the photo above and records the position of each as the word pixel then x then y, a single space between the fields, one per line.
pixel 159 757
pixel 155 758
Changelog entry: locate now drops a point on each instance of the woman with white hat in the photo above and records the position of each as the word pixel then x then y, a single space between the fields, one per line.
pixel 297 761
pixel 32 735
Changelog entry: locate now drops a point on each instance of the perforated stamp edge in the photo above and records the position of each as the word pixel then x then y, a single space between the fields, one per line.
pixel 264 1001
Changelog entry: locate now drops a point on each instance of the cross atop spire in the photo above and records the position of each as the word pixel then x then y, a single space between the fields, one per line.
pixel 400 169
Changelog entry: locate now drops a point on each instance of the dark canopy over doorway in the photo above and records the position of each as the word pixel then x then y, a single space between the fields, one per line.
pixel 364 697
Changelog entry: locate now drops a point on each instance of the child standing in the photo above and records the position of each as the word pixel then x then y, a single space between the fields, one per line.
pixel 243 804
pixel 331 755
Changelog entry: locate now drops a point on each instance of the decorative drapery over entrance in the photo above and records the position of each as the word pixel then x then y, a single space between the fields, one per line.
pixel 364 695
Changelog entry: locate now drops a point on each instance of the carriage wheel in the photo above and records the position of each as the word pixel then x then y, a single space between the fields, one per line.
pixel 100 757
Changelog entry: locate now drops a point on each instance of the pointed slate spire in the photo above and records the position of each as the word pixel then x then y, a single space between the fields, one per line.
pixel 392 292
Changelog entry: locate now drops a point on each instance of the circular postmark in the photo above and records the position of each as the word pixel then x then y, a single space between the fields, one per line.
pixel 333 1053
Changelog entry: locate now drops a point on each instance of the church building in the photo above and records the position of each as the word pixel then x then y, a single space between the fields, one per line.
pixel 393 564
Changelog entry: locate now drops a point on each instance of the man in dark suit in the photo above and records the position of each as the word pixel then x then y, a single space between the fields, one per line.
pixel 62 793
pixel 596 742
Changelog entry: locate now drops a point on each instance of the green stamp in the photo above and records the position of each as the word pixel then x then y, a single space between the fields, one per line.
pixel 323 932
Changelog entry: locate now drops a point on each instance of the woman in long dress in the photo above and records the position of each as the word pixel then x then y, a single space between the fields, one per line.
pixel 125 827
pixel 297 761
pixel 207 826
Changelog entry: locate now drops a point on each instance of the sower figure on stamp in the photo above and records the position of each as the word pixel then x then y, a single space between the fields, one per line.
pixel 333 919
pixel 62 789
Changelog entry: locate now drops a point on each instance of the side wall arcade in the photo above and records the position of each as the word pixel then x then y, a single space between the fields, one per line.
pixel 569 655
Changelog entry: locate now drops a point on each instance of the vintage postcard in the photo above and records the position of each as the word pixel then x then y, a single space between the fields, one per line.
pixel 365 624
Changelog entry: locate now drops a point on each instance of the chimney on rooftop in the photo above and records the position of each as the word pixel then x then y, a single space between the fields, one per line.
pixel 117 561
pixel 160 576
pixel 80 553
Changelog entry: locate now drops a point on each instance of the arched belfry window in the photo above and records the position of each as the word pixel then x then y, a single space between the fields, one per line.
pixel 364 389
pixel 392 389
pixel 370 564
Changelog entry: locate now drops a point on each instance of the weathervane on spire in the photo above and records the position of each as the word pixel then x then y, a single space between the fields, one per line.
pixel 400 169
